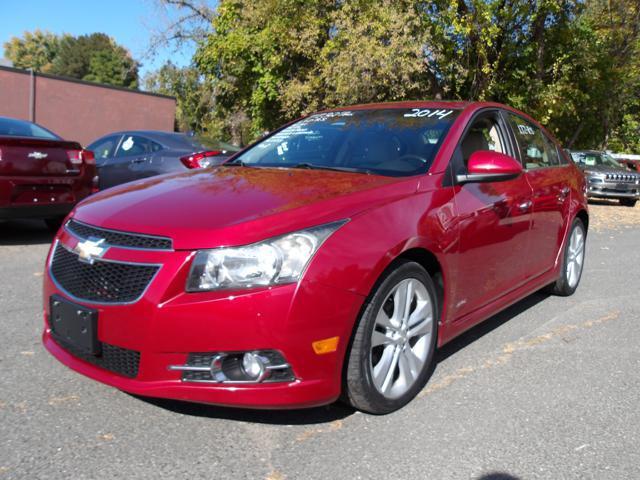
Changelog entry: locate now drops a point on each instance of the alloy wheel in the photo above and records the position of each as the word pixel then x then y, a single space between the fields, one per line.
pixel 575 258
pixel 401 338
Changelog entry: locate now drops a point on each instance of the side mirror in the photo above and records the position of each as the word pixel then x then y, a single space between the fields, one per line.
pixel 490 166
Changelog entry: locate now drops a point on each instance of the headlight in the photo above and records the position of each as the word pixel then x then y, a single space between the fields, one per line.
pixel 270 262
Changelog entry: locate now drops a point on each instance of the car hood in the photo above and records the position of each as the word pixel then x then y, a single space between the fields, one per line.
pixel 606 169
pixel 237 205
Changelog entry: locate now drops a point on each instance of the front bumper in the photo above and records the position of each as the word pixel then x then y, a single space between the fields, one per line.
pixel 610 190
pixel 167 324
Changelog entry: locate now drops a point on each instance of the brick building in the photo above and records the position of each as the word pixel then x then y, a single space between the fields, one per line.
pixel 78 110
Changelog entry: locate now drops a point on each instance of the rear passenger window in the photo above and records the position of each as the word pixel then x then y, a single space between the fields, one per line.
pixel 536 150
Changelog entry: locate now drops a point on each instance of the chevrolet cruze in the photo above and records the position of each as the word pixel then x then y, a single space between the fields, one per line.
pixel 328 260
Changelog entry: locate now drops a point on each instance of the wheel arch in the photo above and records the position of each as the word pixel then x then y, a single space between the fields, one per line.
pixel 584 216
pixel 432 265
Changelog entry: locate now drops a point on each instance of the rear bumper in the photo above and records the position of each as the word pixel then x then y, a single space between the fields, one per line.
pixel 42 197
pixel 36 211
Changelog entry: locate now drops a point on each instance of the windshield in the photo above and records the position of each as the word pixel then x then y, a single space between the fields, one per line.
pixel 591 159
pixel 393 142
pixel 19 128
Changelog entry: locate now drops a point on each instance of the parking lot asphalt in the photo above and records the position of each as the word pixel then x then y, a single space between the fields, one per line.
pixel 548 389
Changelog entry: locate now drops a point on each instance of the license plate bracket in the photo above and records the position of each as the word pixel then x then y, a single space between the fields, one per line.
pixel 75 324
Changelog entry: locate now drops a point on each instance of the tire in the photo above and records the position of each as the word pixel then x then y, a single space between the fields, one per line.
pixel 569 279
pixel 628 202
pixel 53 224
pixel 384 377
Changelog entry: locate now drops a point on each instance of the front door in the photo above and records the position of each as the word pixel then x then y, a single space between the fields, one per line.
pixel 494 219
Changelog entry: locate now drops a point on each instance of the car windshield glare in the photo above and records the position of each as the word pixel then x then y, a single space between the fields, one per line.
pixel 392 142
pixel 591 159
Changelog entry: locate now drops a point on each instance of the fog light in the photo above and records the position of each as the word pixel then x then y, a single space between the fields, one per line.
pixel 252 365
pixel 258 366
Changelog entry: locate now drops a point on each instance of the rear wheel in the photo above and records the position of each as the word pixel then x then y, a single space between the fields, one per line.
pixel 628 202
pixel 392 352
pixel 573 261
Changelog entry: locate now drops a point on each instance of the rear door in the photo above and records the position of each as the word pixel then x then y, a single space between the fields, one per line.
pixel 549 176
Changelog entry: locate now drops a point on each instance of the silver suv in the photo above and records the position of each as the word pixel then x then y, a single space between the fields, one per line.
pixel 607 178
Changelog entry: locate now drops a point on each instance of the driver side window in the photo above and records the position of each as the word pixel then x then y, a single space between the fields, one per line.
pixel 484 134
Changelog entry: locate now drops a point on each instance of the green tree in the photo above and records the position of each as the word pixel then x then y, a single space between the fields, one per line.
pixel 193 94
pixel 35 50
pixel 96 57
pixel 273 60
pixel 573 64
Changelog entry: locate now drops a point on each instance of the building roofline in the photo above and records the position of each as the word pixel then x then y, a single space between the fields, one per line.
pixel 83 82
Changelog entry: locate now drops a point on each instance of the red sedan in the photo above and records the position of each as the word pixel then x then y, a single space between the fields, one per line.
pixel 329 259
pixel 41 175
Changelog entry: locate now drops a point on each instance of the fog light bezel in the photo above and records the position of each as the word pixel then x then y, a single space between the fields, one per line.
pixel 227 368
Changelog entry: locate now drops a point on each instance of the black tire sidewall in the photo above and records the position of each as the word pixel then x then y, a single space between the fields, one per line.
pixel 374 401
pixel 563 287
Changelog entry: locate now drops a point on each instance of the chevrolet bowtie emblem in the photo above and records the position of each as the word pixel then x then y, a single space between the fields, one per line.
pixel 38 155
pixel 91 249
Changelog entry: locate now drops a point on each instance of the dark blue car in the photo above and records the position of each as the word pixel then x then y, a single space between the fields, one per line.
pixel 130 155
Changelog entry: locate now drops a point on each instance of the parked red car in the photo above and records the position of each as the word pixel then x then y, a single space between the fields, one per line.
pixel 41 175
pixel 331 257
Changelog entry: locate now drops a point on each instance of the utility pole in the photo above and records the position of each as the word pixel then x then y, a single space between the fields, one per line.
pixel 32 96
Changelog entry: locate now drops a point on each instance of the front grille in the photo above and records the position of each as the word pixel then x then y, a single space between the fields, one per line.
pixel 119 239
pixel 621 177
pixel 115 359
pixel 103 281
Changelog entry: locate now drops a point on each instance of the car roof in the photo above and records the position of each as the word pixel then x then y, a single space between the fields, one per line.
pixel 406 104
pixel 168 139
pixel 149 133
pixel 455 104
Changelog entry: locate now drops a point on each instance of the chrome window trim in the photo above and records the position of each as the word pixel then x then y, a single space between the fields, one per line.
pixel 91 302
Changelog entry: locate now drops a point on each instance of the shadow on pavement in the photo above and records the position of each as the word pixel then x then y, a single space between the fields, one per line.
pixel 25 232
pixel 308 416
pixel 498 476
pixel 489 325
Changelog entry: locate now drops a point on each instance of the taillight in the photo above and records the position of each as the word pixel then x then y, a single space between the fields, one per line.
pixel 88 157
pixel 200 159
pixel 75 156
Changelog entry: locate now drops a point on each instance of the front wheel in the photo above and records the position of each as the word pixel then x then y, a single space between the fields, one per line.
pixel 391 356
pixel 573 261
pixel 628 202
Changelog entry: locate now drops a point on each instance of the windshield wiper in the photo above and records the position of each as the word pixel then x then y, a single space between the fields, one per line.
pixel 313 166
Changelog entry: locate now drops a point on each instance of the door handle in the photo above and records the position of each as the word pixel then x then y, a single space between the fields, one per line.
pixel 563 193
pixel 139 160
pixel 524 206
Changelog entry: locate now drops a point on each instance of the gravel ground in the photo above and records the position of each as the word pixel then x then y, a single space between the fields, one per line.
pixel 547 389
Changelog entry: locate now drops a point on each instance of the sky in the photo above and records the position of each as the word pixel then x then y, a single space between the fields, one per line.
pixel 131 23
